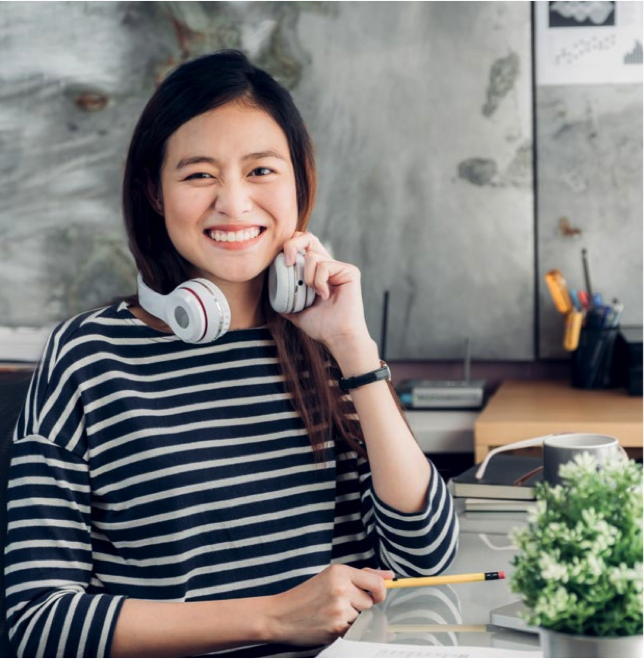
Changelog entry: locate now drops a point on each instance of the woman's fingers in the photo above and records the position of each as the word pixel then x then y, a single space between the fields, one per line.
pixel 320 272
pixel 303 242
pixel 372 581
pixel 324 607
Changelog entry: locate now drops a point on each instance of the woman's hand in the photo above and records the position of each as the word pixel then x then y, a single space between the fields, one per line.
pixel 319 610
pixel 337 316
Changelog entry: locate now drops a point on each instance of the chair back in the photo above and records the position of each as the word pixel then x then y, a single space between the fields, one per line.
pixel 12 398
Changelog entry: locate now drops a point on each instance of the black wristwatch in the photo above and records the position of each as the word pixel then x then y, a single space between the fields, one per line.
pixel 382 373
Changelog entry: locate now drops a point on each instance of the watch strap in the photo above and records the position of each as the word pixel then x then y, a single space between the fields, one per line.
pixel 382 373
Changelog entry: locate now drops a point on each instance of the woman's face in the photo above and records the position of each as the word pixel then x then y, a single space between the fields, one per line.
pixel 228 193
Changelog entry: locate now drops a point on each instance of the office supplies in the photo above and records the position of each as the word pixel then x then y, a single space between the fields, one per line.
pixel 415 582
pixel 558 449
pixel 583 299
pixel 437 629
pixel 350 649
pixel 502 479
pixel 574 321
pixel 462 394
pixel 575 300
pixel 584 261
pixel 592 362
pixel 475 504
pixel 559 292
pixel 615 315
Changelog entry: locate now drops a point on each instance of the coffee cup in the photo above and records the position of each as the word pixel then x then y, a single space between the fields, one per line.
pixel 560 449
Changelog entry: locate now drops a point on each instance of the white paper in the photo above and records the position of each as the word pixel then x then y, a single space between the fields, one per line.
pixel 588 42
pixel 348 649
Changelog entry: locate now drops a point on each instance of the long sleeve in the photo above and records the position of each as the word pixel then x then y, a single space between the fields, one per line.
pixel 50 609
pixel 410 544
pixel 414 544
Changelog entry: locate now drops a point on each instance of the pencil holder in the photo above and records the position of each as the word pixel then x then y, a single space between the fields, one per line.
pixel 593 360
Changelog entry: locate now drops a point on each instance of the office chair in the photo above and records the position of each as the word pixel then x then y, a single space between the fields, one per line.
pixel 12 397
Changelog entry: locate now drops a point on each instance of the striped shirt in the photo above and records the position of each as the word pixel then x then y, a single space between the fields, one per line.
pixel 150 468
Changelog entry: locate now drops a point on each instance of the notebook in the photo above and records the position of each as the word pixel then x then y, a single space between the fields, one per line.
pixel 499 480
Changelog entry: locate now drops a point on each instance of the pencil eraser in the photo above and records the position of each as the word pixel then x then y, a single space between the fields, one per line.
pixel 501 575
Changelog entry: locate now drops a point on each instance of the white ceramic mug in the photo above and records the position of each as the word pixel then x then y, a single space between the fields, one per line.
pixel 560 449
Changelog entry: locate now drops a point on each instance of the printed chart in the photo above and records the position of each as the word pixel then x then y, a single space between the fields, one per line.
pixel 588 42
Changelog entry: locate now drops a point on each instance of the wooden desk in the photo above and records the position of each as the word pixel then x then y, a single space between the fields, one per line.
pixel 524 409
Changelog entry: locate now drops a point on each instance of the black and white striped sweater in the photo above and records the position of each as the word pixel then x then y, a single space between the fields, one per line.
pixel 150 468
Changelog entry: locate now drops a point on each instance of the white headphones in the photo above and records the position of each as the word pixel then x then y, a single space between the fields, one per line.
pixel 198 312
pixel 287 291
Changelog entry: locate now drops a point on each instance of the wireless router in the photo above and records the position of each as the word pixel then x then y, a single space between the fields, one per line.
pixel 462 394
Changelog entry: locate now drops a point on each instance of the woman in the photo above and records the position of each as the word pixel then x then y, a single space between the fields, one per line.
pixel 171 498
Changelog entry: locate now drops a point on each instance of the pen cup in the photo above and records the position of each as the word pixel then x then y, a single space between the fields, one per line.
pixel 592 362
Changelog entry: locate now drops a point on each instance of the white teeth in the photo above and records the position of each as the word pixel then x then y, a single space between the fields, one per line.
pixel 234 237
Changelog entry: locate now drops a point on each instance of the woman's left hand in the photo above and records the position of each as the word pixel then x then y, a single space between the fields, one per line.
pixel 337 315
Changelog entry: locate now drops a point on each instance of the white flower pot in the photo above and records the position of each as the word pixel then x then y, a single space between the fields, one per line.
pixel 556 644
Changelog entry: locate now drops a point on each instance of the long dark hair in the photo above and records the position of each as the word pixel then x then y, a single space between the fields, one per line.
pixel 196 87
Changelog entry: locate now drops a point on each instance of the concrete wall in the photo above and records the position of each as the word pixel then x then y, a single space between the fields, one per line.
pixel 421 113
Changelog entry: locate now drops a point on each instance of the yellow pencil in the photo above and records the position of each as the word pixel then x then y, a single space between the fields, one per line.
pixel 445 579
pixel 431 629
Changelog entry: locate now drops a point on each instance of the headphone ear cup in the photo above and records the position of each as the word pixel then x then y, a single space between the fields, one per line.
pixel 185 315
pixel 210 310
pixel 196 311
pixel 281 287
pixel 287 291
pixel 299 287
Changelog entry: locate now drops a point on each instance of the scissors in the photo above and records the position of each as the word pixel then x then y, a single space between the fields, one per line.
pixel 564 305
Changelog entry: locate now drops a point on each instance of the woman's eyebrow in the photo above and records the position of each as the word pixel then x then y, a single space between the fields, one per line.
pixel 256 155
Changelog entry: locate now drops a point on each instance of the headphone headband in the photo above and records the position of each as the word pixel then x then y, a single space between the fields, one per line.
pixel 198 312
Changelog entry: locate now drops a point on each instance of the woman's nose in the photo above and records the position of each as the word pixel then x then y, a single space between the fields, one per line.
pixel 232 199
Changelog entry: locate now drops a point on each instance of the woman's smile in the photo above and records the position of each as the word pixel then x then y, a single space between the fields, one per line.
pixel 234 237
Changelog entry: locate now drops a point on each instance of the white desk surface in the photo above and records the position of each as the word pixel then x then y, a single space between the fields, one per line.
pixel 450 607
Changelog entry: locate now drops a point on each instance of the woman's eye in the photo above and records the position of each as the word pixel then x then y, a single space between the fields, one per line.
pixel 198 175
pixel 261 171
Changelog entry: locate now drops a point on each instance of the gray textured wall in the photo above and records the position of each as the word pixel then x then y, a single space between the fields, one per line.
pixel 421 113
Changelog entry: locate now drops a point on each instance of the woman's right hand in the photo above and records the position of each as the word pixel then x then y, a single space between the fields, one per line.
pixel 319 610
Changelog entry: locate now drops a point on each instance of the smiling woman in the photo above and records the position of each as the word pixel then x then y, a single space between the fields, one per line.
pixel 232 192
pixel 174 498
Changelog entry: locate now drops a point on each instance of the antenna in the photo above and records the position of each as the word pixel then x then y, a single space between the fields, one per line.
pixel 468 359
pixel 384 326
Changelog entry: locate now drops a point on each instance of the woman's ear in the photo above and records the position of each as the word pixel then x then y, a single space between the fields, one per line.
pixel 155 197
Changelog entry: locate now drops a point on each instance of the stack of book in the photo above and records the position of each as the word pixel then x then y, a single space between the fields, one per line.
pixel 506 486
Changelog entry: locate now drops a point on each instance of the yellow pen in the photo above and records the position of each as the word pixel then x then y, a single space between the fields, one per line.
pixel 413 582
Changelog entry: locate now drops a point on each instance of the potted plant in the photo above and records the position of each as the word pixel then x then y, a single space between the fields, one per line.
pixel 579 565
